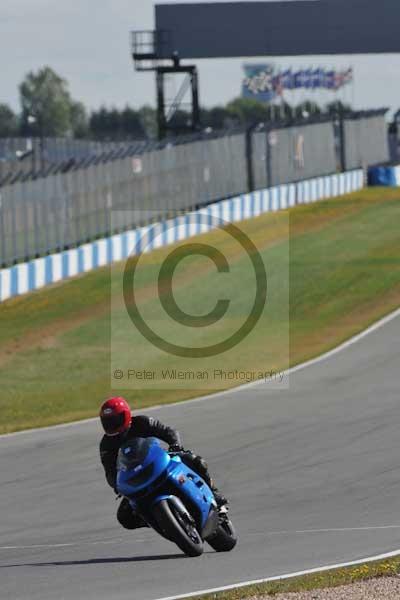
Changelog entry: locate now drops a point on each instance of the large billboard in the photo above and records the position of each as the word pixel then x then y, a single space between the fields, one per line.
pixel 306 27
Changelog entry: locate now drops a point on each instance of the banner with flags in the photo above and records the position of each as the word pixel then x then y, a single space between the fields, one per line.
pixel 259 82
pixel 263 82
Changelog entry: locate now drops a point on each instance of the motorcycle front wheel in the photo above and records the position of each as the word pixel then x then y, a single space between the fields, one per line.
pixel 178 528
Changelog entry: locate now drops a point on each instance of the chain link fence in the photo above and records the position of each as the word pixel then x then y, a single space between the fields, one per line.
pixel 301 152
pixel 65 209
pixel 366 141
pixel 30 158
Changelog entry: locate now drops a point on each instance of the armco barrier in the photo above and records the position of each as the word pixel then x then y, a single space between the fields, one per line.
pixel 35 274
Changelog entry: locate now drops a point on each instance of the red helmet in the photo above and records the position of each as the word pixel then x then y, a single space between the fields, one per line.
pixel 115 416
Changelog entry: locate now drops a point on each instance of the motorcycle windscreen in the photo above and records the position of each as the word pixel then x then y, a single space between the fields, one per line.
pixel 140 462
pixel 134 452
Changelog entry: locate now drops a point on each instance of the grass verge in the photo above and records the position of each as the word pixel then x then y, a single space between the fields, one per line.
pixel 314 581
pixel 334 268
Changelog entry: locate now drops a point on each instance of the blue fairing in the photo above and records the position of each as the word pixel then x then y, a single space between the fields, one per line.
pixel 193 486
pixel 146 469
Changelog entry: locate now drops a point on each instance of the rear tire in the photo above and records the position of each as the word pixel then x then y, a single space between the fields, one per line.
pixel 225 538
pixel 178 529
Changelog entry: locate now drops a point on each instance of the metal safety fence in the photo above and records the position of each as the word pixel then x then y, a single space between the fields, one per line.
pixel 29 158
pixel 56 149
pixel 69 207
pixel 37 273
pixel 366 141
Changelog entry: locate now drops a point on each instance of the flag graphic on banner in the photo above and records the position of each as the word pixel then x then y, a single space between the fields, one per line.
pixel 264 82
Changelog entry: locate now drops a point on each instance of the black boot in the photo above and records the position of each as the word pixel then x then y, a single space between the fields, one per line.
pixel 128 518
pixel 220 499
pixel 140 522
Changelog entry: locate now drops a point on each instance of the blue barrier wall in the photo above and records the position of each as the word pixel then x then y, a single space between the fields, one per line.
pixel 36 274
pixel 386 176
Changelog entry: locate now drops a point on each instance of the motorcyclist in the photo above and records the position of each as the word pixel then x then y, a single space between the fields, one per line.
pixel 119 426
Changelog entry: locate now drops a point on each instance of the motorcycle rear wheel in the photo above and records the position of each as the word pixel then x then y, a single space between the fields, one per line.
pixel 176 527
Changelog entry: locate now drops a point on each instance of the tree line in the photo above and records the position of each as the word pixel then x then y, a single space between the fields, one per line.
pixel 49 110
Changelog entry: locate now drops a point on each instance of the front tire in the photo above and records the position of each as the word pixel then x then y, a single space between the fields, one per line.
pixel 176 527
pixel 225 538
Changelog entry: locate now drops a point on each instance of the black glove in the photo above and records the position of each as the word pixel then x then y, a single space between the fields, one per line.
pixel 175 448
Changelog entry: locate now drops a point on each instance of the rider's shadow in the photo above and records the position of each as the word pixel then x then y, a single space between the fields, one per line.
pixel 101 561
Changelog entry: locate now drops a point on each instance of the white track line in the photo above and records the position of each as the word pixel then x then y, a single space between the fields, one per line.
pixel 68 544
pixel 238 389
pixel 285 576
pixel 327 530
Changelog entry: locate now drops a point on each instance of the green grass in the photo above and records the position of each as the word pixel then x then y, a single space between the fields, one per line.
pixel 333 268
pixel 314 581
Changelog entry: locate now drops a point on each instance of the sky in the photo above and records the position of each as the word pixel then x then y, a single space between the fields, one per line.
pixel 87 42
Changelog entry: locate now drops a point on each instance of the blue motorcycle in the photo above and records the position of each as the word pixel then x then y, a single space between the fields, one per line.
pixel 172 498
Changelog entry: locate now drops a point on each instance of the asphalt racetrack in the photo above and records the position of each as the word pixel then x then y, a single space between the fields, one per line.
pixel 313 473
